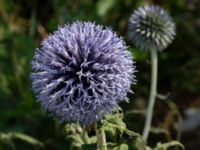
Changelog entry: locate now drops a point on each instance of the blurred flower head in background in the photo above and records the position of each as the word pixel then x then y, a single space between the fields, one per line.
pixel 81 72
pixel 151 27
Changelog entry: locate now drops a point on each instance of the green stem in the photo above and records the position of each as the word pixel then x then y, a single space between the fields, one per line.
pixel 149 113
pixel 101 138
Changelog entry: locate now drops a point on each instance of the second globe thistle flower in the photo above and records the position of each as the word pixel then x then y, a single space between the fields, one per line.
pixel 81 72
pixel 151 27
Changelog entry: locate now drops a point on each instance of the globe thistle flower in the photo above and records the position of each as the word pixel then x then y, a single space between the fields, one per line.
pixel 151 27
pixel 81 72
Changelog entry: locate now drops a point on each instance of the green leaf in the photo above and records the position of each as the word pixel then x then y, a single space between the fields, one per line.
pixel 26 138
pixel 78 136
pixel 76 139
pixel 121 147
pixel 165 146
pixel 8 137
pixel 114 122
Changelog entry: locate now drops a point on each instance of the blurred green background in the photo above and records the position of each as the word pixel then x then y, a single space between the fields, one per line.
pixel 24 23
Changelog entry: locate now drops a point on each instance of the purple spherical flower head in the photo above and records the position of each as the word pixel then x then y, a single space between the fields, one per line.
pixel 81 72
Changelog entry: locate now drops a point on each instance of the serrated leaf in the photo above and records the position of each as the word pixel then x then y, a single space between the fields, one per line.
pixel 114 122
pixel 75 139
pixel 78 136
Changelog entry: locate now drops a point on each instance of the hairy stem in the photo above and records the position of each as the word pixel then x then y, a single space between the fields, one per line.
pixel 101 138
pixel 149 113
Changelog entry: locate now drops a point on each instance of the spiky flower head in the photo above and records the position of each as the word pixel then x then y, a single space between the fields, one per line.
pixel 81 72
pixel 151 27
